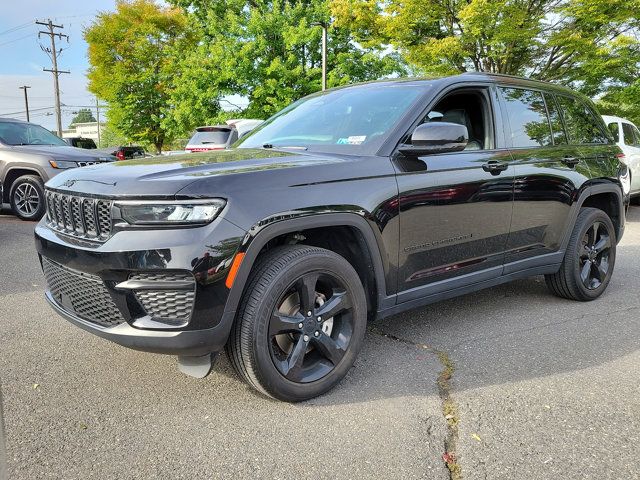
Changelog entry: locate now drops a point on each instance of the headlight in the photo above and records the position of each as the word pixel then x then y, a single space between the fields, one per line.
pixel 187 212
pixel 62 164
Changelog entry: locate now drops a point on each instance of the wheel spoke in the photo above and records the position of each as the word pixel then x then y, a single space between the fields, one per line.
pixel 585 273
pixel 292 367
pixel 281 323
pixel 306 288
pixel 594 236
pixel 329 349
pixel 337 303
pixel 603 244
pixel 600 271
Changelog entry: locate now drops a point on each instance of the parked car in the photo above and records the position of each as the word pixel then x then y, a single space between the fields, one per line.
pixel 352 204
pixel 125 152
pixel 80 142
pixel 220 137
pixel 627 136
pixel 29 156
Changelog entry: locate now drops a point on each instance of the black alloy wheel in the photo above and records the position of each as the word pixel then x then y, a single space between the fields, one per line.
pixel 301 323
pixel 589 258
pixel 594 256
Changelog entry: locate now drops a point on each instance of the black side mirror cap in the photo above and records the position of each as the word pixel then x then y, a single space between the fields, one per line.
pixel 436 137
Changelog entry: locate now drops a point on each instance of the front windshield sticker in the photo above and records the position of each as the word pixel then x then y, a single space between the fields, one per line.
pixel 352 140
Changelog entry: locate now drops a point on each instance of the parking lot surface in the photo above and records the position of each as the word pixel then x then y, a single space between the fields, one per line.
pixel 513 382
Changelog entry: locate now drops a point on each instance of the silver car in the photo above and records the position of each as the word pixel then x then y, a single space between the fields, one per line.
pixel 29 156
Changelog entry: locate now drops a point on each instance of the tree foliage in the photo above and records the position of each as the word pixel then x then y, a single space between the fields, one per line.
pixel 584 43
pixel 84 115
pixel 134 53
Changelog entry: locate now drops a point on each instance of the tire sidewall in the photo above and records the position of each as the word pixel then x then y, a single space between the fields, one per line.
pixel 276 384
pixel 38 185
pixel 594 216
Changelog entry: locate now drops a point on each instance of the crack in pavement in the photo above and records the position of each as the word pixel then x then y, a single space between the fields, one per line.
pixel 449 407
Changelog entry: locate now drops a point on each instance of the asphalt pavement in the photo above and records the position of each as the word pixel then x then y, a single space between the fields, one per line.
pixel 510 382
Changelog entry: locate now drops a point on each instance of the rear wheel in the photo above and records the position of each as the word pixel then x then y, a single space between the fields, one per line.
pixel 301 323
pixel 27 197
pixel 589 260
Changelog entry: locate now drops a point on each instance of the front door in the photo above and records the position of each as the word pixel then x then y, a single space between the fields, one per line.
pixel 455 208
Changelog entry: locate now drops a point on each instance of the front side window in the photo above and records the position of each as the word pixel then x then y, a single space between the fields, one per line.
pixel 581 124
pixel 349 120
pixel 631 134
pixel 528 118
pixel 15 133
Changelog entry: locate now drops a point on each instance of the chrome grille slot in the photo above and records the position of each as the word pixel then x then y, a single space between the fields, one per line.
pixel 173 307
pixel 79 216
pixel 81 294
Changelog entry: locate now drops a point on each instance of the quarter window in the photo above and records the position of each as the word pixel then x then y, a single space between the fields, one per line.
pixel 527 117
pixel 613 128
pixel 631 134
pixel 581 124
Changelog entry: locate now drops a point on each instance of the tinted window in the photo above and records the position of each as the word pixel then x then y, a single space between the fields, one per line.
pixel 613 128
pixel 14 133
pixel 630 134
pixel 527 117
pixel 216 136
pixel 559 135
pixel 581 124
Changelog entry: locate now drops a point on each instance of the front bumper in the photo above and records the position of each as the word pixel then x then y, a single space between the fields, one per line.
pixel 204 254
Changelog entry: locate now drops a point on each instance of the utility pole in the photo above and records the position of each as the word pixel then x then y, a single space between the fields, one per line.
pixel 53 54
pixel 325 27
pixel 98 119
pixel 26 99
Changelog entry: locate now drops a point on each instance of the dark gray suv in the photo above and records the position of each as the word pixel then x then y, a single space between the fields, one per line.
pixel 29 156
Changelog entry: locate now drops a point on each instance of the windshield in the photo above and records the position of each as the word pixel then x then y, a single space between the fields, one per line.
pixel 14 133
pixel 350 120
pixel 218 136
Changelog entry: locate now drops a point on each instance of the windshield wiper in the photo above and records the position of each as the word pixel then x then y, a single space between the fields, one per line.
pixel 289 147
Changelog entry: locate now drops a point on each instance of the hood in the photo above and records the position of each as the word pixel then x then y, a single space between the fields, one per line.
pixel 64 153
pixel 163 177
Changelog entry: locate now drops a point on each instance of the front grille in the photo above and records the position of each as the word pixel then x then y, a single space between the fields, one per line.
pixel 82 294
pixel 169 306
pixel 79 216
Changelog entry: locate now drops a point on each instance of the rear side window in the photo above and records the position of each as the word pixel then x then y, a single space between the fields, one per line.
pixel 528 117
pixel 613 128
pixel 581 124
pixel 559 135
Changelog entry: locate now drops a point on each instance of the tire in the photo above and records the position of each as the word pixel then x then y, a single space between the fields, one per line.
pixel 27 197
pixel 273 330
pixel 589 260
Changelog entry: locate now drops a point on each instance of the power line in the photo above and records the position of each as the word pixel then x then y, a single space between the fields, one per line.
pixel 15 40
pixel 15 29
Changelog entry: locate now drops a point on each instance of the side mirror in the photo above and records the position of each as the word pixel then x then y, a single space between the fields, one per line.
pixel 436 137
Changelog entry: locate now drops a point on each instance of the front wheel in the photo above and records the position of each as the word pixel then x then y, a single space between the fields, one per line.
pixel 589 260
pixel 27 197
pixel 301 323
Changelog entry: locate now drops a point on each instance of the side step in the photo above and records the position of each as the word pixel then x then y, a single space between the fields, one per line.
pixel 197 367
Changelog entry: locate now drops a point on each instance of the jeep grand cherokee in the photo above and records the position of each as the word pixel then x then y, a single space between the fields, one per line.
pixel 348 205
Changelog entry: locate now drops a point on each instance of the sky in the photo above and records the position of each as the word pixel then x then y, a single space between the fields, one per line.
pixel 22 60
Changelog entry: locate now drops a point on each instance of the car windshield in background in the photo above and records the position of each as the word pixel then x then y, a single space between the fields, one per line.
pixel 348 120
pixel 15 133
pixel 217 136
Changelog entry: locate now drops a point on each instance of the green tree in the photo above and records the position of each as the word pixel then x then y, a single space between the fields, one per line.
pixel 269 51
pixel 134 53
pixel 587 44
pixel 84 115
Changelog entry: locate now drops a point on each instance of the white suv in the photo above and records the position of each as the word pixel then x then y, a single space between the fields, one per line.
pixel 627 137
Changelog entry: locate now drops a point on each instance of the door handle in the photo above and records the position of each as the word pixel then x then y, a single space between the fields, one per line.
pixel 494 167
pixel 570 161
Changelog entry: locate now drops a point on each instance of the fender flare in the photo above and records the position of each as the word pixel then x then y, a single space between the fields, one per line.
pixel 26 167
pixel 589 191
pixel 252 245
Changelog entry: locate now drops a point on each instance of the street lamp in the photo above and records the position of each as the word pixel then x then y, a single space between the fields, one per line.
pixel 324 26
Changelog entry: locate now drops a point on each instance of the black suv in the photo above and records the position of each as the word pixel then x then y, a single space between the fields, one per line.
pixel 348 205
